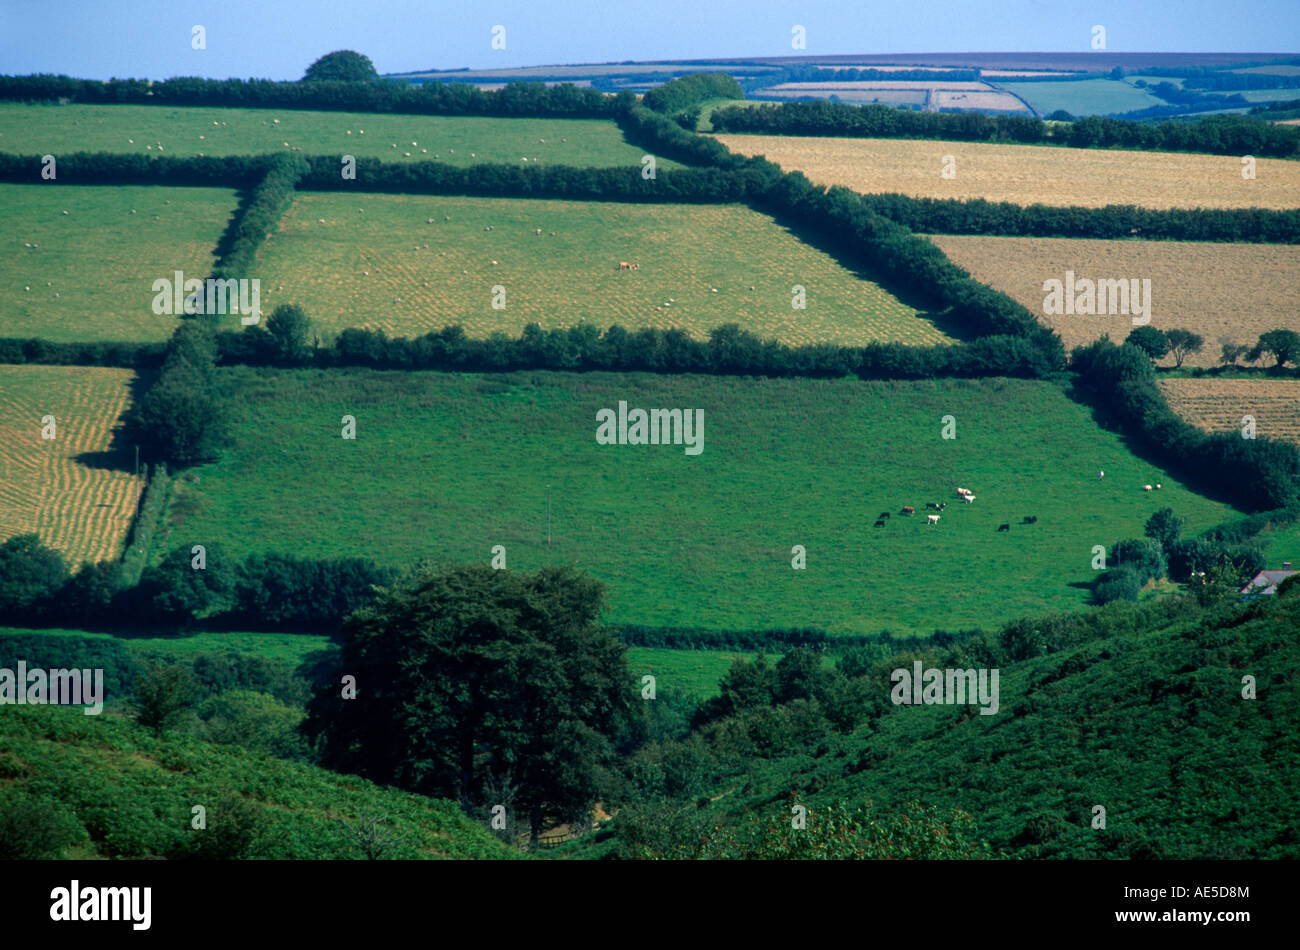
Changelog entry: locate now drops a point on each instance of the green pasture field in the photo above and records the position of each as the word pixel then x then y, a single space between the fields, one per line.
pixel 684 672
pixel 411 264
pixel 446 466
pixel 1083 96
pixel 199 130
pixel 88 275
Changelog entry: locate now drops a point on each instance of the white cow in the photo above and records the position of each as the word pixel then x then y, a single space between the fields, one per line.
pixel 963 491
pixel 969 498
pixel 1146 487
pixel 931 519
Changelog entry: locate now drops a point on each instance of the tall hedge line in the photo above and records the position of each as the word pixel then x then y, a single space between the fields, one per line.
pixel 842 218
pixel 710 185
pixel 112 168
pixel 977 216
pixel 1255 474
pixel 429 98
pixel 267 202
pixel 1218 135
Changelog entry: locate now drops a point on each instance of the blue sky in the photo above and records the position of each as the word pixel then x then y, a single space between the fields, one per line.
pixel 277 39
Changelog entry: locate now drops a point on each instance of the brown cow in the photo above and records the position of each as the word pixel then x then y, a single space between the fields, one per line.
pixel 909 510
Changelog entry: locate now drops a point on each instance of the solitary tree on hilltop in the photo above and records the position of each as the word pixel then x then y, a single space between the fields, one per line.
pixel 345 65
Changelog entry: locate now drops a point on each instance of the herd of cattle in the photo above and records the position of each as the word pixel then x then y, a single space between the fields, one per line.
pixel 965 494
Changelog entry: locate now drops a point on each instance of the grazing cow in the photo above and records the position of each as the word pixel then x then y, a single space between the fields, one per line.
pixel 932 519
pixel 908 510
pixel 932 504
pixel 1031 519
pixel 880 523
pixel 1157 486
pixel 624 265
pixel 1146 487
pixel 963 491
pixel 1004 527
pixel 883 515
pixel 969 499
pixel 943 505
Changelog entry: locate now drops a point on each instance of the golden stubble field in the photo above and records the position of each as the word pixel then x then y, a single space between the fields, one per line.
pixel 62 488
pixel 1025 174
pixel 1221 291
pixel 1219 405
pixel 413 264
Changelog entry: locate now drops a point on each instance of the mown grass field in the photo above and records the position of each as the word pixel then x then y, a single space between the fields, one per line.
pixel 71 490
pixel 1083 96
pixel 1026 174
pixel 196 130
pixel 88 275
pixel 447 466
pixel 409 264
pixel 129 794
pixel 1221 291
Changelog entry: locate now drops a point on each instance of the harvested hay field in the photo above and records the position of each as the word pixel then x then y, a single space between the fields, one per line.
pixel 1218 405
pixel 1025 174
pixel 1221 291
pixel 411 264
pixel 69 490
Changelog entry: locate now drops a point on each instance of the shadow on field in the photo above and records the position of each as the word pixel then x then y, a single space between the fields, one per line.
pixel 120 454
pixel 1108 421
pixel 231 232
pixel 834 246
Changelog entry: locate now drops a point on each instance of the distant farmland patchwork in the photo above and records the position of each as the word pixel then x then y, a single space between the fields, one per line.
pixel 447 466
pixel 78 262
pixel 1221 291
pixel 195 130
pixel 68 489
pixel 411 264
pixel 1026 174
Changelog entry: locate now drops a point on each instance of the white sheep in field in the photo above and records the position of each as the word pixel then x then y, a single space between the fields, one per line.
pixel 1146 487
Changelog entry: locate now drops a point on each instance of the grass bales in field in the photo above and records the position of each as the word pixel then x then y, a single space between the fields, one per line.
pixel 1026 174
pixel 76 265
pixel 1221 291
pixel 411 264
pixel 1218 405
pixel 446 466
pixel 191 130
pixel 69 489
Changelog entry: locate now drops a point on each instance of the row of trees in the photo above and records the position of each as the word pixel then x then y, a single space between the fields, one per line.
pixel 187 587
pixel 1281 346
pixel 710 185
pixel 1219 134
pixel 678 94
pixel 843 219
pixel 429 98
pixel 1256 474
pixel 978 216
pixel 258 216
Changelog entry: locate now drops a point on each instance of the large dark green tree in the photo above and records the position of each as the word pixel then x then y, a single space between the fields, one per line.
pixel 29 572
pixel 344 65
pixel 1154 343
pixel 475 681
pixel 1282 345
